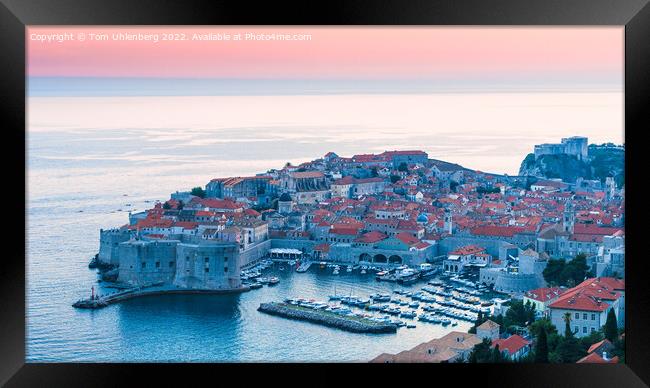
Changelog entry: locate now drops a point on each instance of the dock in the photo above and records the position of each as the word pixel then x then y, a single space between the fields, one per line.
pixel 304 266
pixel 100 301
pixel 352 324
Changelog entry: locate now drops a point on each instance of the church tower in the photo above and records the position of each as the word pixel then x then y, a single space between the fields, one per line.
pixel 449 225
pixel 569 217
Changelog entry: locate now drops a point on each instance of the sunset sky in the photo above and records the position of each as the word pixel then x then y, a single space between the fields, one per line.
pixel 509 54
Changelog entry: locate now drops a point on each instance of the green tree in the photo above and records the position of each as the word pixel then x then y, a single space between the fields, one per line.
pixel 519 314
pixel 553 270
pixel 481 352
pixel 479 321
pixel 373 172
pixel 497 357
pixel 541 347
pixel 198 192
pixel 394 178
pixel 542 324
pixel 403 167
pixel 579 268
pixel 167 206
pixel 611 326
pixel 453 185
pixel 569 350
pixel 591 339
pixel 180 205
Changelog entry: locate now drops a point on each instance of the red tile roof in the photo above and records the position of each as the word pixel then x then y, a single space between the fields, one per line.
pixel 467 250
pixel 512 344
pixel 598 344
pixel 502 231
pixel 324 247
pixel 544 294
pixel 590 295
pixel 371 237
pixel 594 229
pixel 595 358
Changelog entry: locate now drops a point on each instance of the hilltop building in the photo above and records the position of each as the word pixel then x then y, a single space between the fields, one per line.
pixel 577 146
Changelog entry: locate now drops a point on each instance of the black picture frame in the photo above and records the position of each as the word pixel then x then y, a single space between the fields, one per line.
pixel 16 14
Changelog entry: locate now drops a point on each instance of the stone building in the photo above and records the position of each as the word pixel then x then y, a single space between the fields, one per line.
pixel 146 262
pixel 109 244
pixel 517 279
pixel 576 146
pixel 208 265
pixel 488 329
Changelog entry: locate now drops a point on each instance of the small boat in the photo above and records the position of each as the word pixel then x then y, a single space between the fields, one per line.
pixel 407 314
pixel 255 286
pixel 281 268
pixel 349 269
pixel 335 272
pixel 410 326
pixel 273 281
pixel 363 272
pixel 292 262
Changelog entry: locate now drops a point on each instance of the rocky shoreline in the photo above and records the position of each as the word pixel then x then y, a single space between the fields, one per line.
pixel 326 319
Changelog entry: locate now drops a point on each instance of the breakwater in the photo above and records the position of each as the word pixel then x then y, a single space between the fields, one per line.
pixel 353 324
pixel 103 301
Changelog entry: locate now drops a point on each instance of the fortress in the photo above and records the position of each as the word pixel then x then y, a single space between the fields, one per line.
pixel 184 261
pixel 576 146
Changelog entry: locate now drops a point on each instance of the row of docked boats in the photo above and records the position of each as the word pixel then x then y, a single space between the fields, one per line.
pixel 343 311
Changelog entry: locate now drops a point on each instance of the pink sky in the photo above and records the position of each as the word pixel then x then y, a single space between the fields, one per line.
pixel 335 52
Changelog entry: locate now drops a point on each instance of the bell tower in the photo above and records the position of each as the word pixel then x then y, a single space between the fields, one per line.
pixel 569 217
pixel 449 225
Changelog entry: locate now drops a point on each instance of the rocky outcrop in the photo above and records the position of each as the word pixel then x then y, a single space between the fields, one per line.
pixel 603 161
pixel 326 319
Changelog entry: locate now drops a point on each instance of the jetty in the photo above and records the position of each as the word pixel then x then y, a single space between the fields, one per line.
pixel 326 318
pixel 100 301
pixel 304 266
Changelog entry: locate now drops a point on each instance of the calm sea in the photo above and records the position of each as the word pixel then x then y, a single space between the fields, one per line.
pixel 92 159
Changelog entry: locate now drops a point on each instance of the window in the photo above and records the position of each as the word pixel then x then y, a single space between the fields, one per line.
pixel 584 316
pixel 144 264
pixel 593 317
pixel 577 315
pixel 171 264
pixel 207 269
pixel 207 259
pixel 575 329
pixel 225 269
pixel 157 264
pixel 584 329
pixel 593 329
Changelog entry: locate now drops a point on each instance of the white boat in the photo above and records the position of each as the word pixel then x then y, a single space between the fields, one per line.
pixel 363 272
pixel 335 272
pixel 349 269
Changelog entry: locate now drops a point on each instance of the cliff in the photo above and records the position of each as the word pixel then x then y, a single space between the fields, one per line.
pixel 603 161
